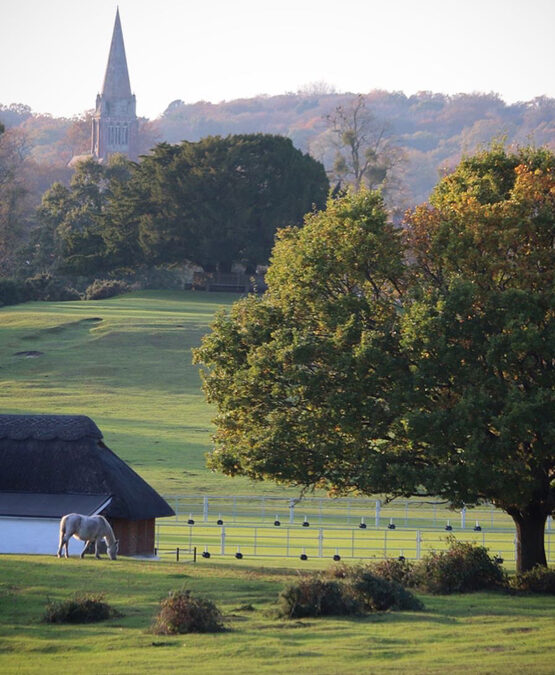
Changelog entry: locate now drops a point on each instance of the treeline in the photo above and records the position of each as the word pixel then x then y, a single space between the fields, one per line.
pixel 433 130
pixel 211 204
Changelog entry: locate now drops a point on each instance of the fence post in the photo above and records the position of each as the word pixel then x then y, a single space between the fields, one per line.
pixel 291 512
pixel 321 543
pixel 205 509
pixel 463 517
pixel 223 540
pixel 177 554
pixel 378 508
pixel 418 544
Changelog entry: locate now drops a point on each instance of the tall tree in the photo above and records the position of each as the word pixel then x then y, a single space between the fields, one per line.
pixel 14 197
pixel 221 200
pixel 365 154
pixel 405 366
pixel 75 233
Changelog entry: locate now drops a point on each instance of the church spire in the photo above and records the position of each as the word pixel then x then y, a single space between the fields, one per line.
pixel 116 80
pixel 115 125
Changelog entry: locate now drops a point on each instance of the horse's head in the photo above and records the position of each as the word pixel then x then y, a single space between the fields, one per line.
pixel 113 550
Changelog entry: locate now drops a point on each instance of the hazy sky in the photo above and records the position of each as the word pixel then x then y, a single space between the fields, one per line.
pixel 53 53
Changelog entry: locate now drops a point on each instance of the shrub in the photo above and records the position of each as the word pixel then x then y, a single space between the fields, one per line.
pixel 463 567
pixel 537 580
pixel 50 289
pixel 12 292
pixel 81 608
pixel 105 288
pixel 180 612
pixel 393 569
pixel 315 596
pixel 378 594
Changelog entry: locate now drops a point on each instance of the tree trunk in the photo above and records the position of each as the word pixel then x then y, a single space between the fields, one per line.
pixel 530 534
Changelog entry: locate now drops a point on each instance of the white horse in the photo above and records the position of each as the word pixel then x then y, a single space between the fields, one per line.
pixel 87 529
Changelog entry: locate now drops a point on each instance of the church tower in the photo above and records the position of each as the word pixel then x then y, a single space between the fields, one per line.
pixel 115 125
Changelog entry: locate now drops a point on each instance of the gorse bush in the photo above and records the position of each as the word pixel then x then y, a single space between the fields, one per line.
pixel 12 292
pixel 81 608
pixel 400 571
pixel 378 594
pixel 50 289
pixel 180 612
pixel 463 567
pixel 344 590
pixel 537 580
pixel 316 596
pixel 105 288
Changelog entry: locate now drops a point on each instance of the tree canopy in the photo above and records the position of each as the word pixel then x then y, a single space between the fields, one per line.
pixel 404 362
pixel 213 203
pixel 221 200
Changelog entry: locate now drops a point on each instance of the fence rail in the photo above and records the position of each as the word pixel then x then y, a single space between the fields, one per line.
pixel 175 538
pixel 345 512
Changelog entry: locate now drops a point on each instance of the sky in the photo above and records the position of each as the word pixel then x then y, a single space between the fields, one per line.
pixel 53 53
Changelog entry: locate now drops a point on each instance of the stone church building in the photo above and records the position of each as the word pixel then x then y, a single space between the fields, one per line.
pixel 115 126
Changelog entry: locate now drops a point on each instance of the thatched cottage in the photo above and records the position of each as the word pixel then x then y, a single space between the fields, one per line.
pixel 51 465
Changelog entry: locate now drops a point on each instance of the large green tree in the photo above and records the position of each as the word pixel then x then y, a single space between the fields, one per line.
pixel 220 200
pixel 406 363
pixel 76 223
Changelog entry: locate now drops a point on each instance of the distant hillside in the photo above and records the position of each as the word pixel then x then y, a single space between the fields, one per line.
pixel 433 129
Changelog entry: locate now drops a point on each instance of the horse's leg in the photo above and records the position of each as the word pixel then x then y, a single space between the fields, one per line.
pixel 62 536
pixel 61 545
pixel 96 551
pixel 85 548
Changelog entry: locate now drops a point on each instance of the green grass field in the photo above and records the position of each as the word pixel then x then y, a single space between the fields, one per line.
pixel 475 633
pixel 126 363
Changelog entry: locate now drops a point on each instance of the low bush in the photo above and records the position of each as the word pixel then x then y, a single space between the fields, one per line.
pixel 180 612
pixel 50 289
pixel 378 594
pixel 393 569
pixel 81 608
pixel 462 568
pixel 105 288
pixel 315 596
pixel 537 580
pixel 12 292
pixel 344 590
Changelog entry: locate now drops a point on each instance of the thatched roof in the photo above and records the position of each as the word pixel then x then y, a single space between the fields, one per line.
pixel 65 454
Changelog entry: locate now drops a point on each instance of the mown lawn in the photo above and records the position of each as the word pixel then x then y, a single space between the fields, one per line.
pixel 477 633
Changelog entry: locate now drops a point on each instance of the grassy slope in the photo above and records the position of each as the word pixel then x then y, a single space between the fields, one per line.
pixel 478 633
pixel 131 372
